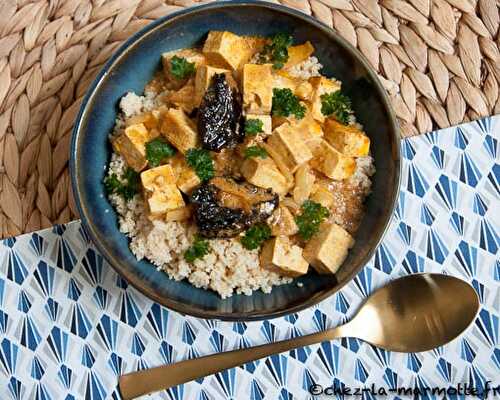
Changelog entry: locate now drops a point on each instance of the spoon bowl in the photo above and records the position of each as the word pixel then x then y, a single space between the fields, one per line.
pixel 410 314
pixel 415 313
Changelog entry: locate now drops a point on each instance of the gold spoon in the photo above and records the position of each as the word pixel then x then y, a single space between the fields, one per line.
pixel 410 314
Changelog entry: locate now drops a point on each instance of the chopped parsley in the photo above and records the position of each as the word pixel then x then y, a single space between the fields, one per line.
pixel 253 126
pixel 181 68
pixel 276 52
pixel 201 162
pixel 309 221
pixel 157 150
pixel 255 151
pixel 338 105
pixel 198 249
pixel 285 103
pixel 127 187
pixel 255 236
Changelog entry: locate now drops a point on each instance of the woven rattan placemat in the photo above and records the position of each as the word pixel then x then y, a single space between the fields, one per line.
pixel 438 59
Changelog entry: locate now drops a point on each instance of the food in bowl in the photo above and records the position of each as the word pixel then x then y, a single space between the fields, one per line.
pixel 240 166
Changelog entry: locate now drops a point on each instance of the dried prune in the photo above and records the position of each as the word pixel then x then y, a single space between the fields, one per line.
pixel 224 208
pixel 219 116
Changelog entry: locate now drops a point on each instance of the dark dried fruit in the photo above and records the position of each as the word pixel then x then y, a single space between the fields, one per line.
pixel 219 116
pixel 224 208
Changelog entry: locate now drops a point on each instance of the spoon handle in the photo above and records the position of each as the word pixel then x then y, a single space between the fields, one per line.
pixel 152 380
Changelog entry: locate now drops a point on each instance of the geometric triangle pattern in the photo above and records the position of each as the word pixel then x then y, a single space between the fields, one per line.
pixel 69 325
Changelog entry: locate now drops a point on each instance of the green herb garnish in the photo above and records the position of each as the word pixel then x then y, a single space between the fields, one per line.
pixel 201 162
pixel 309 221
pixel 255 236
pixel 127 187
pixel 253 126
pixel 338 105
pixel 181 68
pixel 157 150
pixel 198 249
pixel 255 151
pixel 285 103
pixel 277 51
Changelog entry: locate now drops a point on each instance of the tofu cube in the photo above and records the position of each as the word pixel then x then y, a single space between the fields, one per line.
pixel 304 91
pixel 321 86
pixel 349 140
pixel 289 143
pixel 304 181
pixel 257 88
pixel 131 145
pixel 310 130
pixel 227 50
pixel 283 223
pixel 203 78
pixel 184 98
pixel 160 190
pixel 265 174
pixel 179 214
pixel 149 119
pixel 191 55
pixel 185 177
pixel 266 123
pixel 179 130
pixel 322 195
pixel 327 250
pixel 280 256
pixel 297 54
pixel 333 163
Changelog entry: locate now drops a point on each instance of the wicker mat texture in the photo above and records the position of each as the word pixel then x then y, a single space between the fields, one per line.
pixel 438 59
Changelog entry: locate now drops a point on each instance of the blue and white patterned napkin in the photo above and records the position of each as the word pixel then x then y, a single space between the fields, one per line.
pixel 69 325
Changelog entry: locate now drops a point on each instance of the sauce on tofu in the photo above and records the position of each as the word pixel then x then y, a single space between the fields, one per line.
pixel 243 144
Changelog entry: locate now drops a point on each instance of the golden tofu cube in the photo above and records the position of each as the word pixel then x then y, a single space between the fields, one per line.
pixel 304 181
pixel 349 140
pixel 131 145
pixel 279 255
pixel 186 178
pixel 265 174
pixel 310 130
pixel 184 98
pixel 227 50
pixel 160 190
pixel 321 86
pixel 327 250
pixel 304 91
pixel 283 223
pixel 333 163
pixel 149 119
pixel 322 195
pixel 288 142
pixel 283 80
pixel 191 55
pixel 179 130
pixel 257 88
pixel 203 78
pixel 297 54
pixel 266 123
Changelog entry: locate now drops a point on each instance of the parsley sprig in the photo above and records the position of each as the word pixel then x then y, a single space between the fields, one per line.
pixel 157 150
pixel 255 151
pixel 197 250
pixel 285 103
pixel 255 236
pixel 277 51
pixel 127 187
pixel 201 162
pixel 338 105
pixel 253 126
pixel 310 219
pixel 181 68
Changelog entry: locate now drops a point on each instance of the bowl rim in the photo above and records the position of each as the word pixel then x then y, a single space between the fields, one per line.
pixel 83 114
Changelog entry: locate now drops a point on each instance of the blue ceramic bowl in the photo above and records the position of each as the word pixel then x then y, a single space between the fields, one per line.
pixel 133 65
